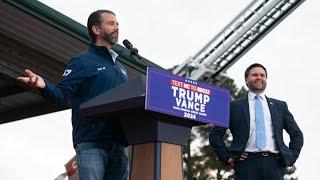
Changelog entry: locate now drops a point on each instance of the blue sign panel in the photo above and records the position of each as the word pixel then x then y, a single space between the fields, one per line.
pixel 182 97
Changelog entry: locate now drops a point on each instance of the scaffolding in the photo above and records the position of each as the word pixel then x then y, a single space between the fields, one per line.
pixel 233 41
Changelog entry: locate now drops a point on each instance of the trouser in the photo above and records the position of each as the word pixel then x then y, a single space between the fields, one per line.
pixel 102 162
pixel 259 167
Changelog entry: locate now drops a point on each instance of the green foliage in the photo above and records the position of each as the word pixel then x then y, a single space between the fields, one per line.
pixel 204 164
pixel 289 173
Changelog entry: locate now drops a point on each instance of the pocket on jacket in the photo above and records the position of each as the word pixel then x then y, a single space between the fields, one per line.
pixel 287 156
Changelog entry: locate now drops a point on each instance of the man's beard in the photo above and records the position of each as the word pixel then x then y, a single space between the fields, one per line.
pixel 109 38
pixel 256 88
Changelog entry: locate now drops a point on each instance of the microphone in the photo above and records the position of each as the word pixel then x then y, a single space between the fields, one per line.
pixel 128 45
pixel 134 52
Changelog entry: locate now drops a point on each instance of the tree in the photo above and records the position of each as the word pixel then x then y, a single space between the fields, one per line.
pixel 204 164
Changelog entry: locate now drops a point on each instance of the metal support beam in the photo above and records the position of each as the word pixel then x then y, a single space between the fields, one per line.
pixel 244 31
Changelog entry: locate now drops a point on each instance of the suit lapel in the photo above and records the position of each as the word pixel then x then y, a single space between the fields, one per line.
pixel 245 107
pixel 272 109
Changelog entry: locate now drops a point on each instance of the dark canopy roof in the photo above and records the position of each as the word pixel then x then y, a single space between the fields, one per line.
pixel 35 36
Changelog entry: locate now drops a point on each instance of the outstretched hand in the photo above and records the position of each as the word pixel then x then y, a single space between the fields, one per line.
pixel 32 79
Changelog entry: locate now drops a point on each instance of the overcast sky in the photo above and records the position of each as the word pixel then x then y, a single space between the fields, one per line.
pixel 167 32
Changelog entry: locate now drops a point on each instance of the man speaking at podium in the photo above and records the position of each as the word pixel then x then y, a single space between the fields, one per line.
pixel 256 122
pixel 99 143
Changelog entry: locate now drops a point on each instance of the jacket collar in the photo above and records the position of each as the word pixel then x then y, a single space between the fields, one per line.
pixel 103 51
pixel 245 107
pixel 252 95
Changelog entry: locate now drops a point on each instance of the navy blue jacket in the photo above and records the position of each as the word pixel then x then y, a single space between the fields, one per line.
pixel 239 126
pixel 87 75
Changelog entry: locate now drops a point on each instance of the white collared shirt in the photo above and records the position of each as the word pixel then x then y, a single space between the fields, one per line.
pixel 114 55
pixel 270 141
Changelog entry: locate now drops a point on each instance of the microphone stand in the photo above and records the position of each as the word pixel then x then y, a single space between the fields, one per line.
pixel 134 54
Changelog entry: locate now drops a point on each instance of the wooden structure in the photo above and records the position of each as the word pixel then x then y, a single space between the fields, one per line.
pixel 34 36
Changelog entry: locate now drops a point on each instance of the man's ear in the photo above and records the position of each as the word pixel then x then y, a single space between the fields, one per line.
pixel 96 30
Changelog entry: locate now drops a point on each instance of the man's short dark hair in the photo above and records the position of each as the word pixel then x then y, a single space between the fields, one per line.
pixel 246 74
pixel 95 20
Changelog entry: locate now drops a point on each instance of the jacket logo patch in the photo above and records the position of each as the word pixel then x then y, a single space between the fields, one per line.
pixel 101 68
pixel 66 72
pixel 123 72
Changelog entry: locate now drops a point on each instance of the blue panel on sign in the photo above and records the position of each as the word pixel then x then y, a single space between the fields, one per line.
pixel 182 97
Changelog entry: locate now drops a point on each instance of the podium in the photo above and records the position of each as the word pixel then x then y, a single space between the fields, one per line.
pixel 156 138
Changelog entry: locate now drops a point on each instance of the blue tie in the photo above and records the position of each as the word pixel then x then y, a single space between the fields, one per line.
pixel 260 127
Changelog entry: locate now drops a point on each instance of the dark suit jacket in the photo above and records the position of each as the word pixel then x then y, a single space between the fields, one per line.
pixel 239 126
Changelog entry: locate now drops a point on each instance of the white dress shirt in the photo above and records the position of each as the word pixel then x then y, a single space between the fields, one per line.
pixel 270 141
pixel 114 55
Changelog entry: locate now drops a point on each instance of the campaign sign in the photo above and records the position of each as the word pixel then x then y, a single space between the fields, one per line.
pixel 182 97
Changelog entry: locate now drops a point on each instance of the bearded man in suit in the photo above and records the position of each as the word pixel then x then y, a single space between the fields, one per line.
pixel 257 122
